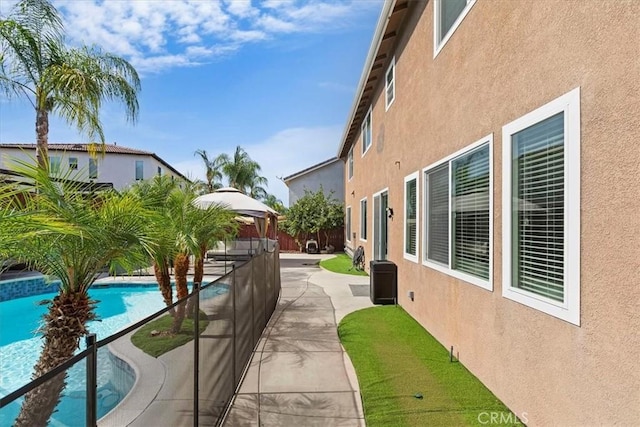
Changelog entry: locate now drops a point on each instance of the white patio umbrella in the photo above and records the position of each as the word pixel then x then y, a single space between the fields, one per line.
pixel 240 203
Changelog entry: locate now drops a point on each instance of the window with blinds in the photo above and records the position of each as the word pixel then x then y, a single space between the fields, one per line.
pixel 541 208
pixel 437 181
pixel 470 213
pixel 350 164
pixel 538 208
pixel 347 223
pixel 458 214
pixel 411 216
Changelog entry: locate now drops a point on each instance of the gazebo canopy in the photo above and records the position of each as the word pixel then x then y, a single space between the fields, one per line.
pixel 233 199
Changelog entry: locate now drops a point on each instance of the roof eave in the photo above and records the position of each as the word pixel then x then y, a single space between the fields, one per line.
pixel 393 13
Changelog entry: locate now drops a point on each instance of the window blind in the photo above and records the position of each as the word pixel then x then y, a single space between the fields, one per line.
pixel 410 217
pixel 538 208
pixel 470 213
pixel 438 214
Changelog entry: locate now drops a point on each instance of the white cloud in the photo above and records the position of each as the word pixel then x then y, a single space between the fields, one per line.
pixel 292 150
pixel 285 153
pixel 179 33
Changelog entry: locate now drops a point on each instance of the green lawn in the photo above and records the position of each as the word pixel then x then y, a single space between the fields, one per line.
pixel 341 264
pixel 405 376
pixel 160 344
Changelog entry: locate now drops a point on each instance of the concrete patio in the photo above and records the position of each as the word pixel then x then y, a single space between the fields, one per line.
pixel 299 374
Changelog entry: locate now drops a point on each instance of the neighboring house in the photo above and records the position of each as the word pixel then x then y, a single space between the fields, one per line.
pixel 119 166
pixel 329 175
pixel 494 149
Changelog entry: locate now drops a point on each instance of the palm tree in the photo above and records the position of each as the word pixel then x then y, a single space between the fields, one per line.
pixel 71 83
pixel 213 174
pixel 154 193
pixel 242 172
pixel 274 203
pixel 105 229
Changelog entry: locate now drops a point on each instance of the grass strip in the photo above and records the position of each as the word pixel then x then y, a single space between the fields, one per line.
pixel 157 345
pixel 341 264
pixel 405 376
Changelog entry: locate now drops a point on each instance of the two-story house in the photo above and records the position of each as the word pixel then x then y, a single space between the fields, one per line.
pixel 328 175
pixel 119 166
pixel 492 153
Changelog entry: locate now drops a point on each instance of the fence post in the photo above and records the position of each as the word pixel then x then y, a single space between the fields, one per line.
pixel 196 354
pixel 233 303
pixel 266 288
pixel 253 310
pixel 92 380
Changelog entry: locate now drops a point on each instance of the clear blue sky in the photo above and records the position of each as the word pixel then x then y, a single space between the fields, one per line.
pixel 276 77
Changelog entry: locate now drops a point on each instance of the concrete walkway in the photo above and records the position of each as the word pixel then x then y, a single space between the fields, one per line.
pixel 299 374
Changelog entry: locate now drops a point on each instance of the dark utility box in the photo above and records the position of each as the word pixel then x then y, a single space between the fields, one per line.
pixel 383 282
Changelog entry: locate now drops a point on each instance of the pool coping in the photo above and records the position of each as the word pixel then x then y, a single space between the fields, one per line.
pixel 151 374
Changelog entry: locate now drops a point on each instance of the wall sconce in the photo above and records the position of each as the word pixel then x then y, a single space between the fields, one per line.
pixel 353 193
pixel 390 212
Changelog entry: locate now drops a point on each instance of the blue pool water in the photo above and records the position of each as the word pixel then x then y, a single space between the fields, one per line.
pixel 20 346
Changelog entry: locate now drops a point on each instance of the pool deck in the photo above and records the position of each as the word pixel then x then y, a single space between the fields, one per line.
pixel 299 374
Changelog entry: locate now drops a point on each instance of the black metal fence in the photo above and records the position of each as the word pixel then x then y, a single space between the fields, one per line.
pixel 114 383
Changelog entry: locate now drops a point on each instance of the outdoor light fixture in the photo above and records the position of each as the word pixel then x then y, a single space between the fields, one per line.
pixel 390 212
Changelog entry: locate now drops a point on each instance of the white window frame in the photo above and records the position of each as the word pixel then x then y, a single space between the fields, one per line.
pixel 363 220
pixel 365 147
pixel 55 160
pixel 392 69
pixel 373 226
pixel 93 162
pixel 348 223
pixel 569 310
pixel 438 45
pixel 411 257
pixel 135 173
pixel 350 164
pixel 446 269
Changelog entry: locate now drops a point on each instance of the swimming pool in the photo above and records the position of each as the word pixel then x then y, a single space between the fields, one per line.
pixel 20 346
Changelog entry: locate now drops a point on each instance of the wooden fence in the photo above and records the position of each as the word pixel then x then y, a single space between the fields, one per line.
pixel 288 243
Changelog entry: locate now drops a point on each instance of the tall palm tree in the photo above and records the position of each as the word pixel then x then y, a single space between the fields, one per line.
pixel 71 83
pixel 107 229
pixel 242 172
pixel 212 171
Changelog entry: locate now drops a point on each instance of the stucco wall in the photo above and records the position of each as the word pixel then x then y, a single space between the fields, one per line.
pixel 118 169
pixel 331 177
pixel 506 59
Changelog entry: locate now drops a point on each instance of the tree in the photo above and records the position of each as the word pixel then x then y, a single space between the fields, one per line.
pixel 71 83
pixel 313 213
pixel 104 229
pixel 212 171
pixel 194 229
pixel 242 173
pixel 154 194
pixel 274 203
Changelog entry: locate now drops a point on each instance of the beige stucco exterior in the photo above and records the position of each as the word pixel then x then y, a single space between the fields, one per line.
pixel 506 59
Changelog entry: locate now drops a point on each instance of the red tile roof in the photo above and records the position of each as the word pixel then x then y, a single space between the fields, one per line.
pixel 108 148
